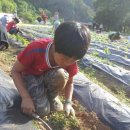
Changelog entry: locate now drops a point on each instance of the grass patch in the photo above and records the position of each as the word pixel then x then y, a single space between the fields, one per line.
pixel 59 121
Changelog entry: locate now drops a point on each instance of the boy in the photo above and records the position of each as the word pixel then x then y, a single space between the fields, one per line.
pixel 11 26
pixel 45 67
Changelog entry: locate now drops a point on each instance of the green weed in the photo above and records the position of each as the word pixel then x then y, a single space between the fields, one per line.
pixel 59 121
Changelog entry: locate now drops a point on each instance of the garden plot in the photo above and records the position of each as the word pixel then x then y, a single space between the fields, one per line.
pixel 36 34
pixel 28 35
pixel 19 40
pixel 115 71
pixel 123 44
pixel 118 57
pixel 46 28
pixel 111 50
pixel 108 55
pixel 107 107
pixel 101 55
pixel 38 29
pixel 125 48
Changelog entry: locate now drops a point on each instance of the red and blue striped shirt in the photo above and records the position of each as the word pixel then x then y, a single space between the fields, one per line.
pixel 35 58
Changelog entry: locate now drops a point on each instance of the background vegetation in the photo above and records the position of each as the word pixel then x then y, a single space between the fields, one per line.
pixel 68 9
pixel 113 14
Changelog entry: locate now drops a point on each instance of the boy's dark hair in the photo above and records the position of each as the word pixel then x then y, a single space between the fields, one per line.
pixel 16 20
pixel 72 39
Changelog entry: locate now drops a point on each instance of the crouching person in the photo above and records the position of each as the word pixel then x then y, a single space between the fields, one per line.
pixel 114 36
pixel 46 67
pixel 12 26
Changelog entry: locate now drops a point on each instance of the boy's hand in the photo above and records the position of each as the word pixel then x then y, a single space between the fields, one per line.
pixel 69 109
pixel 27 106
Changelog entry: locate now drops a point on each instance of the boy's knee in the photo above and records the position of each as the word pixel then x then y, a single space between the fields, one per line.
pixel 56 79
pixel 61 77
pixel 63 74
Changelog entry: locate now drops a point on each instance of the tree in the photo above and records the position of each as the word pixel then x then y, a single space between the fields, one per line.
pixel 7 6
pixel 68 9
pixel 126 24
pixel 111 12
pixel 79 10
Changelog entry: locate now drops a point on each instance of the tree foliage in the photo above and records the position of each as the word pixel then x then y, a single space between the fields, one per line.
pixel 26 10
pixel 7 6
pixel 68 9
pixel 127 20
pixel 112 12
pixel 79 10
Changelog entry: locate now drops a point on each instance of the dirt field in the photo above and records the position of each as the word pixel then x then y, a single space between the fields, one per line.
pixel 87 120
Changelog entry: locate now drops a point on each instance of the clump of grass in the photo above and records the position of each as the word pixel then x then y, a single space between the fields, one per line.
pixel 107 51
pixel 58 121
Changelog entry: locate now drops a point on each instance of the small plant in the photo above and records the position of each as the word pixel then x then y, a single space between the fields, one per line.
pixel 107 51
pixel 126 56
pixel 89 71
pixel 126 49
pixel 17 38
pixel 59 121
pixel 24 41
pixel 95 53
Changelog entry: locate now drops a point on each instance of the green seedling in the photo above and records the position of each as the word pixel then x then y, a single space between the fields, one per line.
pixel 59 121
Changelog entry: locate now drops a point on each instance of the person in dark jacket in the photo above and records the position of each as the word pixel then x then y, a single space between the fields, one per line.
pixel 114 36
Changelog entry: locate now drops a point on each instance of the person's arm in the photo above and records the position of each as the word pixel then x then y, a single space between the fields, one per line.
pixel 69 89
pixel 27 104
pixel 68 97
